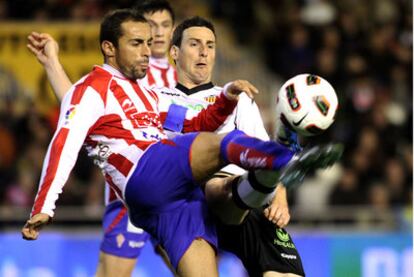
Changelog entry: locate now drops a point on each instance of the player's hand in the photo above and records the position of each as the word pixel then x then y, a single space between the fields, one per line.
pixel 44 47
pixel 278 210
pixel 32 227
pixel 234 89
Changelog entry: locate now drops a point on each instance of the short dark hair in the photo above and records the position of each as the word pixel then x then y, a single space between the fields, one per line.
pixel 152 6
pixel 195 21
pixel 111 24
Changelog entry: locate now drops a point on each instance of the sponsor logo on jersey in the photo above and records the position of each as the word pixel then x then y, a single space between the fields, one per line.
pixel 211 99
pixel 170 93
pixel 247 161
pixel 147 119
pixel 190 106
pixel 70 113
pixel 283 239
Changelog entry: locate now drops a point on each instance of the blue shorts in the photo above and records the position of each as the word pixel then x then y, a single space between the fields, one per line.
pixel 120 237
pixel 164 200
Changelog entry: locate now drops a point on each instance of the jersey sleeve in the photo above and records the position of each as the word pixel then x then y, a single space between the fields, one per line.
pixel 248 118
pixel 75 120
pixel 211 118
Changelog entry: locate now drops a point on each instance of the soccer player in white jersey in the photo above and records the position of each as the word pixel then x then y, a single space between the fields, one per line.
pixel 193 50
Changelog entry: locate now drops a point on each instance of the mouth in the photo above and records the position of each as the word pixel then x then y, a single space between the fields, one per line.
pixel 159 42
pixel 201 65
pixel 143 65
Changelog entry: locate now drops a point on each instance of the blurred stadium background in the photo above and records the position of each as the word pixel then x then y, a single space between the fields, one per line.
pixel 352 220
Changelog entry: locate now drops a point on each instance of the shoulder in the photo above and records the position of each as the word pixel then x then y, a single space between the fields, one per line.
pixel 98 79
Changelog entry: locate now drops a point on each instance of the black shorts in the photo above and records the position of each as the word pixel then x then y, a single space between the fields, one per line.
pixel 260 245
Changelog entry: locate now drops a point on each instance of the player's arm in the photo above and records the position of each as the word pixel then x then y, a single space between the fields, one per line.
pixel 46 50
pixel 211 118
pixel 76 118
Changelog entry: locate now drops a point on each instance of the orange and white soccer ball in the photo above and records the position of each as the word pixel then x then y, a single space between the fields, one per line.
pixel 307 103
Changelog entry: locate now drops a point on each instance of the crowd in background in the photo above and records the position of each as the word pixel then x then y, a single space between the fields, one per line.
pixel 364 48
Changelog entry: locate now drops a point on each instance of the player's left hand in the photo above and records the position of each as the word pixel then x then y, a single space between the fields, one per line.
pixel 32 227
pixel 278 210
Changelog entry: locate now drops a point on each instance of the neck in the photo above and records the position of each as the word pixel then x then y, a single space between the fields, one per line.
pixel 191 83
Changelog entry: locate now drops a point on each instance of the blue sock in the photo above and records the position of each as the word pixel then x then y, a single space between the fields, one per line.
pixel 252 153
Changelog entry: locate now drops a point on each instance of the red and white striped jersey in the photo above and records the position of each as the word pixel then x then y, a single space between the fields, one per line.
pixel 160 74
pixel 245 117
pixel 117 119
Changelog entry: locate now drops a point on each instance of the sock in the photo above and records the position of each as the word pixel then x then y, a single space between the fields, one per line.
pixel 252 153
pixel 248 191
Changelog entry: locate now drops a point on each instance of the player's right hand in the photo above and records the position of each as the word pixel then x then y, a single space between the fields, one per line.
pixel 234 89
pixel 44 47
pixel 32 227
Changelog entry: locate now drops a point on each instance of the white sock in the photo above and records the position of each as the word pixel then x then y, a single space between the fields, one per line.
pixel 255 189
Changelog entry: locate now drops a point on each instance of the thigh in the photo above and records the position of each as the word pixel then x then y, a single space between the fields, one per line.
pixel 261 246
pixel 198 261
pixel 162 179
pixel 110 265
pixel 175 230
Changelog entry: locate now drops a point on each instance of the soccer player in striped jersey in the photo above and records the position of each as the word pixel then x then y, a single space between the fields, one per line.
pixel 122 242
pixel 160 16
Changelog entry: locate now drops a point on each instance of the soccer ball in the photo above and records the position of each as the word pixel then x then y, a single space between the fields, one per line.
pixel 307 104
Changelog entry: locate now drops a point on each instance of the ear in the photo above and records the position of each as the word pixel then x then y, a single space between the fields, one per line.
pixel 174 52
pixel 108 48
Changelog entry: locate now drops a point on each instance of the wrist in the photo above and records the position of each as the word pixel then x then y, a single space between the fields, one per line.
pixel 227 94
pixel 52 65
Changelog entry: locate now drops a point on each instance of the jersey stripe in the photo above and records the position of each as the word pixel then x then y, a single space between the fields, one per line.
pixel 111 183
pixel 121 163
pixel 117 219
pixel 125 102
pixel 56 151
pixel 143 97
pixel 164 77
pixel 150 77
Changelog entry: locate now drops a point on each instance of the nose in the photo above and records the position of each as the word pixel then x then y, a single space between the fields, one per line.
pixel 146 51
pixel 158 31
pixel 203 51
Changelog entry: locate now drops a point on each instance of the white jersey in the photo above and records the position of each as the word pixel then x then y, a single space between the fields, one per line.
pixel 246 116
pixel 160 74
pixel 117 119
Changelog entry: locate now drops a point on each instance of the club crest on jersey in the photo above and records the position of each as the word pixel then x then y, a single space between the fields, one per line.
pixel 70 113
pixel 210 99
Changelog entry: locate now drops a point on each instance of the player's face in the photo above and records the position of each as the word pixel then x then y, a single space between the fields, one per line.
pixel 196 55
pixel 161 28
pixel 132 54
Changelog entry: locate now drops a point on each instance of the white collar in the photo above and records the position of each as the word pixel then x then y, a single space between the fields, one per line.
pixel 113 71
pixel 159 62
